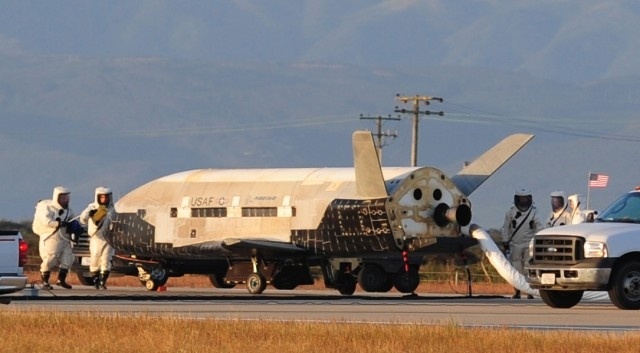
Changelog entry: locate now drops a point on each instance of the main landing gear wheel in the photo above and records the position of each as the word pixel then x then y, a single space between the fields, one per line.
pixel 256 283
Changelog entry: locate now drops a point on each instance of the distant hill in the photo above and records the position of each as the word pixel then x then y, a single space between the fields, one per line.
pixel 566 41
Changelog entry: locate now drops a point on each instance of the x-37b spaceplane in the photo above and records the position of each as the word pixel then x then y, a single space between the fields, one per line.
pixel 367 225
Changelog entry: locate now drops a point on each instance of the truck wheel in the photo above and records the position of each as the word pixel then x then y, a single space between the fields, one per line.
pixel 562 299
pixel 625 286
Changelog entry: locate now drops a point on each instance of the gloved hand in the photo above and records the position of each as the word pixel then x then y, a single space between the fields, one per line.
pixel 505 245
pixel 99 215
pixel 513 223
pixel 92 212
pixel 531 224
pixel 60 222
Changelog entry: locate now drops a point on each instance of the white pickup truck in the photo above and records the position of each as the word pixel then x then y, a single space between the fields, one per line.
pixel 13 257
pixel 600 256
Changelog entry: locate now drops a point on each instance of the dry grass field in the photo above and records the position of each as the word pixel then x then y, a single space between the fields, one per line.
pixel 96 332
pixel 91 332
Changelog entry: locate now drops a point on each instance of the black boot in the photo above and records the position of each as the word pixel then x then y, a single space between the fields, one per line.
pixel 62 276
pixel 103 279
pixel 516 295
pixel 45 280
pixel 96 279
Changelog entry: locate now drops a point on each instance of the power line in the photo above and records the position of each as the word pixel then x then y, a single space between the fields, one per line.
pixel 381 135
pixel 416 118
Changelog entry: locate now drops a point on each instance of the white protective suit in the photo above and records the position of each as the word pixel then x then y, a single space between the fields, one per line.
pixel 48 223
pixel 520 225
pixel 95 217
pixel 577 215
pixel 560 213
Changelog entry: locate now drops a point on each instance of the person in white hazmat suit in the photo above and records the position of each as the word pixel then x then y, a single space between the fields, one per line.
pixel 577 214
pixel 51 222
pixel 560 212
pixel 521 223
pixel 95 217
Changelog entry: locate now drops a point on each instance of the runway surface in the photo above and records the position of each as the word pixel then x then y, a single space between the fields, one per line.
pixel 327 306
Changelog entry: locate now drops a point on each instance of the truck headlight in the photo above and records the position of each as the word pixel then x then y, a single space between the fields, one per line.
pixel 532 246
pixel 595 249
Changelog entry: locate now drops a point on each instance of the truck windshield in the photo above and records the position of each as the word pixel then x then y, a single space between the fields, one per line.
pixel 625 209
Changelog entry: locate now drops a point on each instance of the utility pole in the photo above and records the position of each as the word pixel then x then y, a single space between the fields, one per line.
pixel 380 135
pixel 416 118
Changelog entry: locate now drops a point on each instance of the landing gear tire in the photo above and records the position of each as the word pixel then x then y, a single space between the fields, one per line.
pixel 560 298
pixel 346 284
pixel 256 283
pixel 406 281
pixel 625 288
pixel 372 278
pixel 217 280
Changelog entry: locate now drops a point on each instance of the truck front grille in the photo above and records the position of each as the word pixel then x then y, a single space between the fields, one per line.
pixel 558 250
pixel 83 242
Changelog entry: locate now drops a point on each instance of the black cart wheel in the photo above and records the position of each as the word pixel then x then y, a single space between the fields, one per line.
pixel 406 281
pixel 372 278
pixel 217 280
pixel 84 280
pixel 346 284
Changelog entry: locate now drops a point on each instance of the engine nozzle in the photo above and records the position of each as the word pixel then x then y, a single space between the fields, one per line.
pixel 443 215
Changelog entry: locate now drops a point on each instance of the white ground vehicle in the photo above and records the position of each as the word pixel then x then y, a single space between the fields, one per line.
pixel 13 257
pixel 600 256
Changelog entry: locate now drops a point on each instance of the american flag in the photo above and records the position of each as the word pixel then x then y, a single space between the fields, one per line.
pixel 598 180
